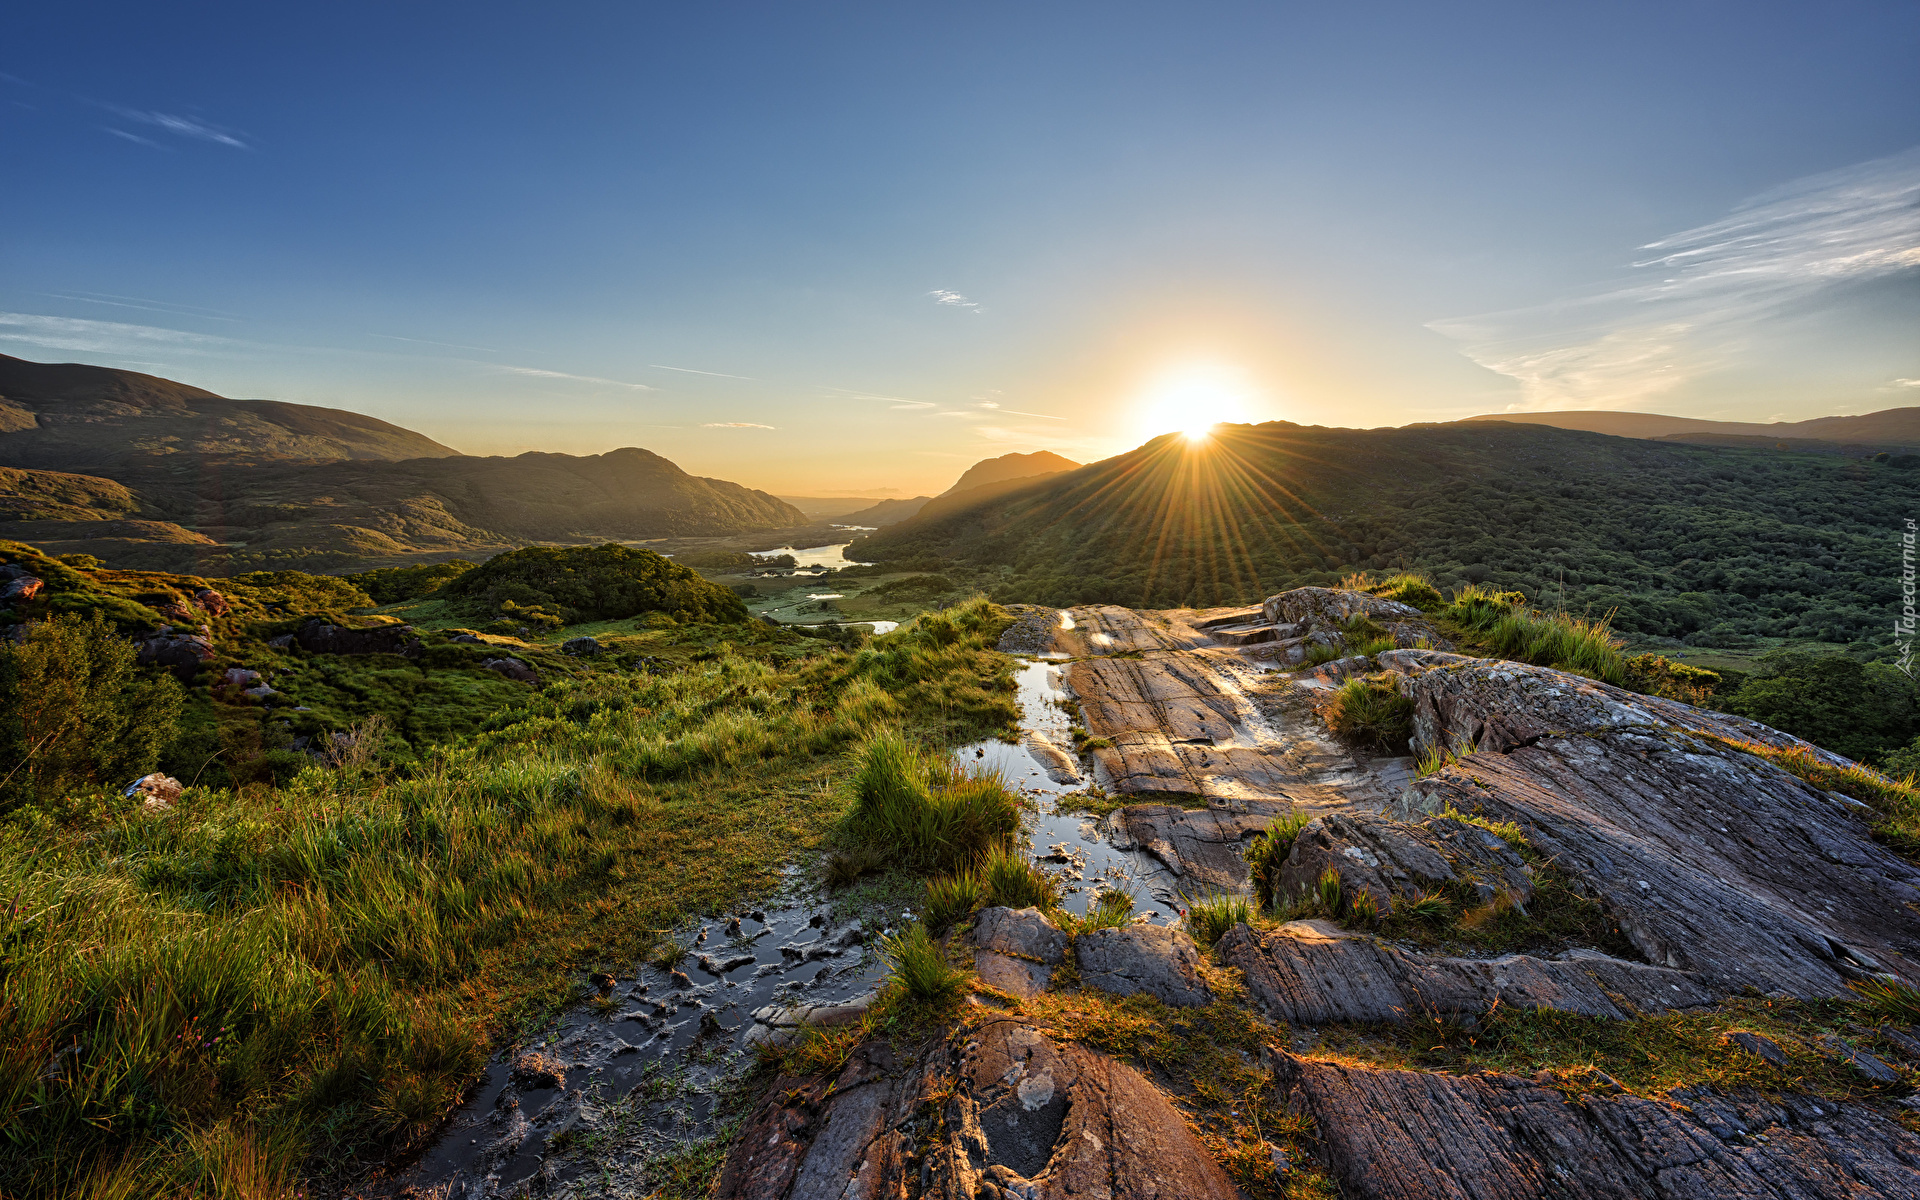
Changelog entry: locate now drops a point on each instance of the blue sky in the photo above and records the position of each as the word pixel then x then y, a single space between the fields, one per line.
pixel 837 248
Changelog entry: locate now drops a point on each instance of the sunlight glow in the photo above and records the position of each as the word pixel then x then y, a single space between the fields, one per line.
pixel 1192 399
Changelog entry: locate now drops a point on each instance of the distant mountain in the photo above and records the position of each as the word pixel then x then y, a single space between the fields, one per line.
pixel 172 476
pixel 887 512
pixel 1895 426
pixel 1009 467
pixel 71 416
pixel 827 508
pixel 1674 538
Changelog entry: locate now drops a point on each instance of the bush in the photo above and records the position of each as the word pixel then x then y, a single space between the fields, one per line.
pixel 1654 675
pixel 391 585
pixel 1412 590
pixel 597 583
pixel 1373 713
pixel 1856 709
pixel 75 711
pixel 919 969
pixel 924 812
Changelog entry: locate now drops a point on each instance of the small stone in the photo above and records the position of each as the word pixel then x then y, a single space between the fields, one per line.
pixel 1758 1045
pixel 680 979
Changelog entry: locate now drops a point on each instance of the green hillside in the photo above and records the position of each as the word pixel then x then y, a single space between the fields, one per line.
pixel 1678 540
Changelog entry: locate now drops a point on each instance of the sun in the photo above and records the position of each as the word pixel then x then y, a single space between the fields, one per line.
pixel 1192 400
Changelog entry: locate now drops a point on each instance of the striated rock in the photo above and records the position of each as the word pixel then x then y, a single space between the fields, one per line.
pixel 1302 976
pixel 1201 847
pixel 1409 1135
pixel 1867 1064
pixel 1017 950
pixel 1154 959
pixel 1004 1112
pixel 1389 859
pixel 513 669
pixel 1711 859
pixel 20 588
pixel 1759 1045
pixel 319 637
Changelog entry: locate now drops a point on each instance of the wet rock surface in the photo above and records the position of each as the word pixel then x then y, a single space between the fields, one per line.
pixel 998 1110
pixel 1413 1135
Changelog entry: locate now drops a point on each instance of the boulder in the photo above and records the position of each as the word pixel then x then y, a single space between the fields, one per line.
pixel 1154 959
pixel 1396 1135
pixel 212 603
pixel 183 654
pixel 998 1110
pixel 239 677
pixel 20 588
pixel 467 639
pixel 1327 607
pixel 513 669
pixel 1017 950
pixel 319 637
pixel 585 646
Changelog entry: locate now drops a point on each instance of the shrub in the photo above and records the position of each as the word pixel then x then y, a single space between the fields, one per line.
pixel 391 585
pixel 923 811
pixel 1014 880
pixel 1411 590
pixel 75 711
pixel 1209 917
pixel 1656 675
pixel 1266 852
pixel 919 969
pixel 1851 708
pixel 1371 712
pixel 597 583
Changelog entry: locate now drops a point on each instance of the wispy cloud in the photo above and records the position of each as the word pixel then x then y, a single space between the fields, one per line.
pixel 734 425
pixel 136 302
pixel 132 137
pixel 538 373
pixel 995 406
pixel 1907 383
pixel 394 337
pixel 691 371
pixel 953 299
pixel 1711 292
pixel 186 127
pixel 102 337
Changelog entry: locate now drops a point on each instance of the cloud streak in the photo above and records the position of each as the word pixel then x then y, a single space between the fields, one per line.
pixel 538 373
pixel 179 126
pixel 691 371
pixel 1711 290
pixel 103 337
pixel 953 299
pixel 734 425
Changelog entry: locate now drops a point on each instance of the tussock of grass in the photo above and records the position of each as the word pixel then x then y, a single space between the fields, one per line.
pixel 1889 998
pixel 953 898
pixel 1209 917
pixel 919 968
pixel 917 810
pixel 1014 880
pixel 1320 653
pixel 1503 625
pixel 1268 850
pixel 1371 712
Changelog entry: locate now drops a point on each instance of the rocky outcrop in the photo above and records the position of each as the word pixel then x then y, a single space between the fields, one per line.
pixel 1153 959
pixel 1302 975
pixel 212 603
pixel 181 653
pixel 20 587
pixel 1391 860
pixel 513 669
pixel 584 646
pixel 998 1111
pixel 1711 859
pixel 1411 1135
pixel 1017 950
pixel 1330 606
pixel 319 637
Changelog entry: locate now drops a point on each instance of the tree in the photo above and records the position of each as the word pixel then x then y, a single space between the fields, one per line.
pixel 76 710
pixel 1833 701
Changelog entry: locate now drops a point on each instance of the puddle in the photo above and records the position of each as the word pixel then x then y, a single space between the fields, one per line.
pixel 643 1075
pixel 1073 845
pixel 813 556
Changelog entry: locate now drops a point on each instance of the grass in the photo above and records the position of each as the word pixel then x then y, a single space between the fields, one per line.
pixel 260 986
pixel 1209 917
pixel 1266 851
pixel 953 898
pixel 1013 879
pixel 1501 624
pixel 915 809
pixel 1321 653
pixel 919 968
pixel 1371 712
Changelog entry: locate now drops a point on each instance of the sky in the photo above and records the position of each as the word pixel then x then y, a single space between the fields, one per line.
pixel 852 248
